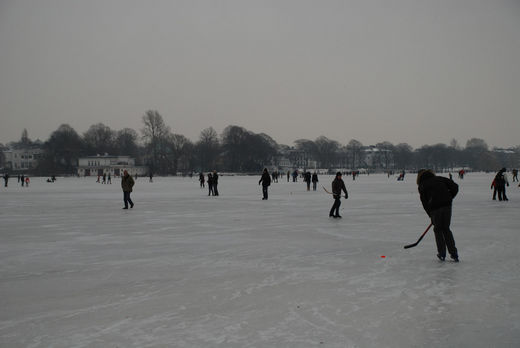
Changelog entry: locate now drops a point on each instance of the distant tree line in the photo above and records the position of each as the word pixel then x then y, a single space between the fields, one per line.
pixel 239 150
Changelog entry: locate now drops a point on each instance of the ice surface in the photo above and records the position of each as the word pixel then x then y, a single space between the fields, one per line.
pixel 183 269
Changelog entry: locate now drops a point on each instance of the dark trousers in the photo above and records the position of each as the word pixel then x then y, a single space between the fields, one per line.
pixel 264 191
pixel 334 211
pixel 126 199
pixel 215 190
pixel 441 219
pixel 502 193
pixel 210 190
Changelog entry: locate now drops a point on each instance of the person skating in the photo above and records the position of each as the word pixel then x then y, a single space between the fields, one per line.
pixel 201 180
pixel 499 185
pixel 215 183
pixel 307 178
pixel 109 179
pixel 437 194
pixel 515 175
pixel 210 185
pixel 6 179
pixel 314 181
pixel 127 183
pixel 337 186
pixel 265 180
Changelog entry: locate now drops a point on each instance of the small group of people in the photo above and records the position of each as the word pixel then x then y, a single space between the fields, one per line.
pixel 212 183
pixel 23 179
pixel 104 177
pixel 308 178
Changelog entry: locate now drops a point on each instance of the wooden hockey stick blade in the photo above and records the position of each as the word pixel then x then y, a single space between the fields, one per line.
pixel 420 238
pixel 330 193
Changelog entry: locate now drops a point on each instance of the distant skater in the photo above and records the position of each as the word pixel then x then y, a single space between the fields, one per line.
pixel 314 181
pixel 288 175
pixel 499 185
pixel 109 179
pixel 6 179
pixel 437 194
pixel 337 186
pixel 215 183
pixel 307 178
pixel 210 185
pixel 265 180
pixel 27 181
pixel 22 179
pixel 201 180
pixel 127 183
pixel 151 177
pixel 515 175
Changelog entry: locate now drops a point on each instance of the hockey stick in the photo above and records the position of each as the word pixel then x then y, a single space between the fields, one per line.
pixel 420 238
pixel 330 193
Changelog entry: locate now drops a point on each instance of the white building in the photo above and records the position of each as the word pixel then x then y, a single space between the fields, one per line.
pixel 113 165
pixel 22 159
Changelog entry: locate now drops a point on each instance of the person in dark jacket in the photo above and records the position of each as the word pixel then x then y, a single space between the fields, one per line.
pixel 210 185
pixel 307 178
pixel 437 194
pixel 201 180
pixel 6 179
pixel 499 185
pixel 337 186
pixel 127 183
pixel 265 180
pixel 314 181
pixel 215 183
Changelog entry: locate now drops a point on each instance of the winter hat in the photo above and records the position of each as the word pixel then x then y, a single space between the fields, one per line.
pixel 338 174
pixel 424 173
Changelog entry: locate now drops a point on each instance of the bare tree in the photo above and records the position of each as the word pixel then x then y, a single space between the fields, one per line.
pixel 126 142
pixel 207 149
pixel 99 139
pixel 403 155
pixel 354 153
pixel 155 133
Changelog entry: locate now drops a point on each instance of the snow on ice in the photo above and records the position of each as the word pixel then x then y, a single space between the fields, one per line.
pixel 182 269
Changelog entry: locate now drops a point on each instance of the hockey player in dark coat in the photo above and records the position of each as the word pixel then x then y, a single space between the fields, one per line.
pixel 265 180
pixel 337 186
pixel 437 194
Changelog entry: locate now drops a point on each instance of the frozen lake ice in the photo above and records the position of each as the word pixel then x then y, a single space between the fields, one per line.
pixel 183 269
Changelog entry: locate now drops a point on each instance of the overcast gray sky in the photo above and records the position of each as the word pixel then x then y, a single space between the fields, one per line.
pixel 414 71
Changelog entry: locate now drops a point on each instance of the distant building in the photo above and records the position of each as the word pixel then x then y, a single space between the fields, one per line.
pixel 22 159
pixel 106 164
